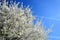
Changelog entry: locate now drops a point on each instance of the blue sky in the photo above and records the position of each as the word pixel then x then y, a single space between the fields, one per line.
pixel 50 11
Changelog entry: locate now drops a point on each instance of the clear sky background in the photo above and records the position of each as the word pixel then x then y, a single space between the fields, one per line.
pixel 50 11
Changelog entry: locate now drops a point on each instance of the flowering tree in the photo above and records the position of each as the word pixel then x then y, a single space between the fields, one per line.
pixel 16 23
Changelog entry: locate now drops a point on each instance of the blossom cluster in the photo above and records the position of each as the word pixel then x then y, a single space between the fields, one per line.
pixel 18 22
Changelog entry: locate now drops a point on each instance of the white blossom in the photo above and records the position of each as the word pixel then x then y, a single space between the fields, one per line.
pixel 18 22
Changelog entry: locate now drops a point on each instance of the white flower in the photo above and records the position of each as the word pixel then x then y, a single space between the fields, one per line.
pixel 18 22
